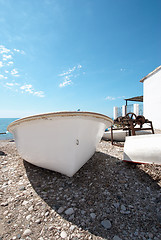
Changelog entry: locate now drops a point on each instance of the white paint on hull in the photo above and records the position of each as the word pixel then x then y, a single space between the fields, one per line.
pixel 61 141
pixel 143 149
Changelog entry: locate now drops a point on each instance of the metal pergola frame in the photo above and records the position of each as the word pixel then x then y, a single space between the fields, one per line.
pixel 133 99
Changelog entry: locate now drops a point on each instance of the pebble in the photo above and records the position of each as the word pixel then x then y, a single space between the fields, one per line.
pixel 106 224
pixel 38 221
pixel 46 214
pixel 4 204
pixel 106 192
pixel 63 234
pixel 93 215
pixel 127 212
pixel 150 235
pixel 116 238
pixel 107 210
pixel 18 236
pixel 71 217
pixel 22 188
pixel 31 208
pixel 25 203
pixel 28 216
pixel 61 209
pixel 136 233
pixel 69 211
pixel 27 232
pixel 5 213
pixel 123 208
pixel 51 228
pixel 72 227
pixel 130 206
pixel 83 212
pixel 116 205
pixel 159 218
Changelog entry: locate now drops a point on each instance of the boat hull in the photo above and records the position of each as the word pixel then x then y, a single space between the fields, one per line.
pixel 143 149
pixel 62 142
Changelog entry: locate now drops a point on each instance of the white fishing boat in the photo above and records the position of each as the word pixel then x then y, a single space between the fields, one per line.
pixel 60 141
pixel 120 135
pixel 143 149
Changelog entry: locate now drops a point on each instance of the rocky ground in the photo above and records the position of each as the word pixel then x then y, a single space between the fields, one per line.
pixel 106 199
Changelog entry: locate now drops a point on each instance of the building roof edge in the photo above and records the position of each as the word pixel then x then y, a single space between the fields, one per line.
pixel 151 73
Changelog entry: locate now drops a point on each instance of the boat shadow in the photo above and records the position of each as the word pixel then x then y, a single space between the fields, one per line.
pixel 97 192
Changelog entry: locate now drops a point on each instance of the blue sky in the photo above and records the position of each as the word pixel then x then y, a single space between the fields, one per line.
pixel 60 55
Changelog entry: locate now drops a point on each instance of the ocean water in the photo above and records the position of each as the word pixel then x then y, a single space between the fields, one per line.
pixel 4 122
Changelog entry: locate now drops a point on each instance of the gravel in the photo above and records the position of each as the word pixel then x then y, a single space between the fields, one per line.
pixel 105 199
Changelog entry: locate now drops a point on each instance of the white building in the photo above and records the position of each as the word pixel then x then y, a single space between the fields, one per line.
pixel 152 97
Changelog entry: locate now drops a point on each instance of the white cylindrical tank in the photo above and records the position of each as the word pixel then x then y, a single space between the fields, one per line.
pixel 136 109
pixel 115 112
pixel 123 110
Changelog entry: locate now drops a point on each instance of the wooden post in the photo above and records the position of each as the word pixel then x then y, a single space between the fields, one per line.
pixel 132 128
pixel 126 108
pixel 111 135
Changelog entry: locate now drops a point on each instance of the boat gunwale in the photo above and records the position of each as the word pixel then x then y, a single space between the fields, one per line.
pixel 57 114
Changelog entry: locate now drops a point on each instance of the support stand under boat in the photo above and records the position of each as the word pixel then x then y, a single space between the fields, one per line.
pixel 3 133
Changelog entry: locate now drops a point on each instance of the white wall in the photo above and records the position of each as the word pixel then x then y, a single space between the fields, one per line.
pixel 152 99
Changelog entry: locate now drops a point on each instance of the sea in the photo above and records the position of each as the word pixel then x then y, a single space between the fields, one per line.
pixel 4 122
